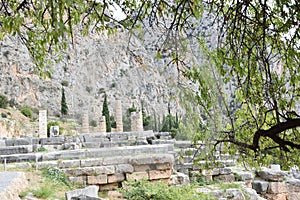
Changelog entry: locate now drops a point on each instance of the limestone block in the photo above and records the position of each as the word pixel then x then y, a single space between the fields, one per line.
pixel 235 194
pixel 91 162
pixel 224 178
pixel 221 171
pixel 245 176
pixel 68 163
pixel 91 191
pixel 115 160
pixel 78 179
pixel 277 187
pixel 124 168
pixel 251 193
pixel 137 176
pixel 152 159
pixel 282 196
pixel 115 178
pixel 293 196
pixel 159 174
pixel 94 180
pixel 272 175
pixel 88 171
pixel 47 164
pixel 260 186
pixel 179 179
pixel 164 166
pixel 293 185
pixel 109 187
pixel 141 168
pixel 105 169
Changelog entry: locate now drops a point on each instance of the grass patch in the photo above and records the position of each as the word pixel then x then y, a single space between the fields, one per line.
pixel 144 190
pixel 44 192
pixel 225 186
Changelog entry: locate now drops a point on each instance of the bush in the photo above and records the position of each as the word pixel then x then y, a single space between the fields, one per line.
pixel 93 123
pixel 27 111
pixel 143 190
pixel 3 115
pixel 3 101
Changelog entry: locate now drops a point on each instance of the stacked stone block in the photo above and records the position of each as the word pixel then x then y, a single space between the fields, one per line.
pixel 272 184
pixel 119 116
pixel 108 172
pixel 85 123
pixel 102 124
pixel 43 123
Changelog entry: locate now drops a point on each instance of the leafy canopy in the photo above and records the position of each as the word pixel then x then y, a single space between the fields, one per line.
pixel 256 57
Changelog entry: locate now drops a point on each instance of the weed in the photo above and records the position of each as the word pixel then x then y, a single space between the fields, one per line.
pixel 43 192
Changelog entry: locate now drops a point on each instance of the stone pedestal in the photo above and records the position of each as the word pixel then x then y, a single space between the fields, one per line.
pixel 85 123
pixel 102 124
pixel 43 123
pixel 119 116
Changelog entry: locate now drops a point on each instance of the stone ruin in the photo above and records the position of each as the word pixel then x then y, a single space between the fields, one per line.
pixel 105 160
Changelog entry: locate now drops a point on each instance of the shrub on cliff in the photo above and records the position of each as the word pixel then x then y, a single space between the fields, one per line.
pixel 3 101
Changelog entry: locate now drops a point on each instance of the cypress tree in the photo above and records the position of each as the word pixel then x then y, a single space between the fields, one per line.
pixel 64 106
pixel 105 112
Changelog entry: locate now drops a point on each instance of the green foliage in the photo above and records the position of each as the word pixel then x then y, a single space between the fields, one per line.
pixel 93 123
pixel 3 101
pixel 64 106
pixel 56 176
pixel 27 111
pixel 44 192
pixel 170 124
pixel 41 149
pixel 3 115
pixel 113 122
pixel 105 112
pixel 143 190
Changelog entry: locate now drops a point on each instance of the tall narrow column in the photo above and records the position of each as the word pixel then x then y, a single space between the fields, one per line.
pixel 119 116
pixel 133 121
pixel 139 121
pixel 102 124
pixel 85 123
pixel 43 123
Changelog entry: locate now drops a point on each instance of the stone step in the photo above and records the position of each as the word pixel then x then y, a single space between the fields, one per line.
pixel 88 153
pixel 8 150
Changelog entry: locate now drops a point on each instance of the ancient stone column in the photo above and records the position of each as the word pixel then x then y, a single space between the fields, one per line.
pixel 133 121
pixel 139 121
pixel 43 123
pixel 119 116
pixel 102 124
pixel 85 123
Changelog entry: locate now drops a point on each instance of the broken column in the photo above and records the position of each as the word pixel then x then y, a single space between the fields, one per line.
pixel 119 116
pixel 85 123
pixel 43 123
pixel 102 124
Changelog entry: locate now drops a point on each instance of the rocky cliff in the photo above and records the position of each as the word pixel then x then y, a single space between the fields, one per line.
pixel 92 65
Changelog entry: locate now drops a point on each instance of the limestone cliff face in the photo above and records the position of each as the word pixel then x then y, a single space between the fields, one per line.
pixel 92 66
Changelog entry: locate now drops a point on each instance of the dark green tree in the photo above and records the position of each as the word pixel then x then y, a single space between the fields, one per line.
pixel 105 112
pixel 64 106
